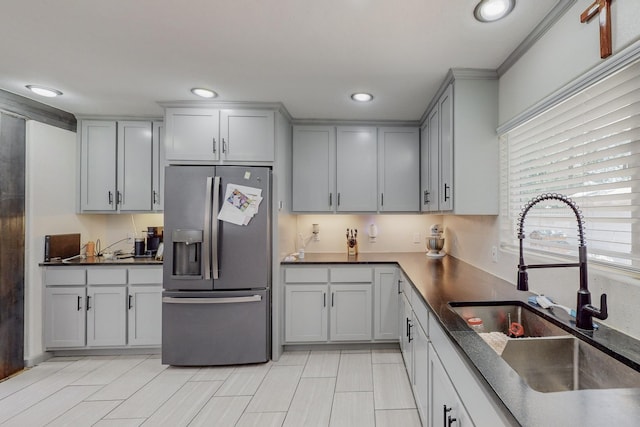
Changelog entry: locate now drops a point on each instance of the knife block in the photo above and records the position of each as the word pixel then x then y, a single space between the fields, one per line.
pixel 352 247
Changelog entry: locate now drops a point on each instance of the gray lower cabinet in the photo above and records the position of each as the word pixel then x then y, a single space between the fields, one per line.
pixel 91 307
pixel 385 300
pixel 446 390
pixel 64 324
pixel 106 316
pixel 446 407
pixel 350 312
pixel 340 304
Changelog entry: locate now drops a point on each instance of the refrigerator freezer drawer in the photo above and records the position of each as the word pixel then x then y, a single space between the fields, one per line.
pixel 215 328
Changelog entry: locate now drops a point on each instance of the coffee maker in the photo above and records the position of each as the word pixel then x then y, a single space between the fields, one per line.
pixel 154 238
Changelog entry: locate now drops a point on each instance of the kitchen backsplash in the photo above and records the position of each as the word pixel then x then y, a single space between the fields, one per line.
pixel 396 233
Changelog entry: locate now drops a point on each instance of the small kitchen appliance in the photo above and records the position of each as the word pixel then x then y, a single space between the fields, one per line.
pixel 154 238
pixel 435 242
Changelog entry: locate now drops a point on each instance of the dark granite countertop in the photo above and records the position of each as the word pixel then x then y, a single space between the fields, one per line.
pixel 89 261
pixel 440 281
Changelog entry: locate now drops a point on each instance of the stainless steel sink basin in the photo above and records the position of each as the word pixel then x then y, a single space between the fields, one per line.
pixel 497 317
pixel 548 358
pixel 566 363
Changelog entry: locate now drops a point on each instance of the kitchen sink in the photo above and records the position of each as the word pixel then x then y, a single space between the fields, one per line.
pixel 497 317
pixel 547 357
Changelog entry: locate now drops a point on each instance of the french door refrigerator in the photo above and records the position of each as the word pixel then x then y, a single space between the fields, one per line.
pixel 216 272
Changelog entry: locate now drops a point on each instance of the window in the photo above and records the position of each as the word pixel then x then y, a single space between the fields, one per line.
pixel 586 147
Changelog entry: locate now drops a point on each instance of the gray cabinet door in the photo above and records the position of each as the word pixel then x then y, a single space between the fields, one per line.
pixel 247 135
pixel 157 167
pixel 106 316
pixel 306 313
pixel 314 168
pixel 399 169
pixel 64 324
pixel 144 304
pixel 421 371
pixel 98 161
pixel 433 188
pixel 350 311
pixel 385 311
pixel 446 150
pixel 192 134
pixel 134 165
pixel 357 169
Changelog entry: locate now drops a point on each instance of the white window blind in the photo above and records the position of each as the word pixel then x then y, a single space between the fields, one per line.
pixel 587 148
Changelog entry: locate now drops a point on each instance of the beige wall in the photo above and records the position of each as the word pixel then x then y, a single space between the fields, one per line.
pixel 395 232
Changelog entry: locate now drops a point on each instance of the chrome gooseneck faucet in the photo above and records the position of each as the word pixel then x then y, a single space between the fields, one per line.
pixel 584 310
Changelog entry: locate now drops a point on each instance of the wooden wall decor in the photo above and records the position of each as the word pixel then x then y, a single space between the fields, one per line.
pixel 603 8
pixel 12 209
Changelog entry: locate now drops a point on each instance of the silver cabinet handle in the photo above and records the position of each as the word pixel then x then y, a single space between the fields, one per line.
pixel 224 146
pixel 381 199
pixel 426 197
pixel 214 145
pixel 232 300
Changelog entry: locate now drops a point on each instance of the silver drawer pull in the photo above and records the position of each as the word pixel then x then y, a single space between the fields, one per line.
pixel 234 300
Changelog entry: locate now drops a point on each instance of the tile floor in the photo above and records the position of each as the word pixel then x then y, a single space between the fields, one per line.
pixel 304 388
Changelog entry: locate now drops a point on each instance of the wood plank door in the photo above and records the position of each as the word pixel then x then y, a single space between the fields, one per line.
pixel 12 199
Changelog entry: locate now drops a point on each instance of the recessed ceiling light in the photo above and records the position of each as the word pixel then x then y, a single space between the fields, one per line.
pixel 44 91
pixel 204 93
pixel 492 10
pixel 362 97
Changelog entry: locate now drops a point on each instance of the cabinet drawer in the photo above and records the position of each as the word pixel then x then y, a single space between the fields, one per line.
pixel 65 276
pixel 141 276
pixel 107 276
pixel 351 275
pixel 306 275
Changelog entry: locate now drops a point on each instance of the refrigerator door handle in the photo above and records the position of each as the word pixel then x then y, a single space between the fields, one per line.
pixel 214 220
pixel 232 300
pixel 206 257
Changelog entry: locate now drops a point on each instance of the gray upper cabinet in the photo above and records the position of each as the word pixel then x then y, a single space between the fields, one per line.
pixel 134 166
pixel 398 169
pixel 247 135
pixel 356 169
pixel 157 167
pixel 206 135
pixel 314 168
pixel 459 161
pixel 116 166
pixel 98 165
pixel 192 134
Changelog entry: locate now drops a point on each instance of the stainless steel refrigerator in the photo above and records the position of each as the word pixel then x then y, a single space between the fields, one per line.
pixel 217 272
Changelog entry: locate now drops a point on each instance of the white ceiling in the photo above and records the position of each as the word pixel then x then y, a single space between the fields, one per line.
pixel 121 57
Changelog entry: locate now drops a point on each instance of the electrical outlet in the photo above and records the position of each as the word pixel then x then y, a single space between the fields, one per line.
pixel 416 238
pixel 494 253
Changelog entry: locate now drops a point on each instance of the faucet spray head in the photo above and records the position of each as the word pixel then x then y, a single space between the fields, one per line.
pixel 523 280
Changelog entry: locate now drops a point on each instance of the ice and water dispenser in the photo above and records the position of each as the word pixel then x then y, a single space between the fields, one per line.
pixel 187 253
